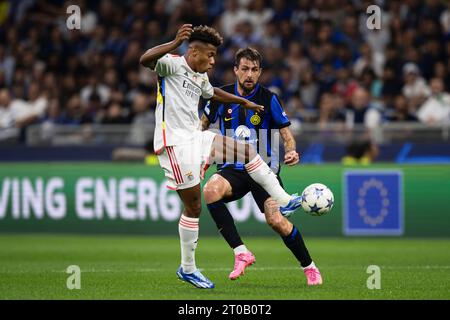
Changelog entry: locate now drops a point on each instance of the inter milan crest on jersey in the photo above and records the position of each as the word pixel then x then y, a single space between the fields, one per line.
pixel 255 119
pixel 373 203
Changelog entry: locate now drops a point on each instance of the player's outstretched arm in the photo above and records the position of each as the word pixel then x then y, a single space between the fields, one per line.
pixel 151 56
pixel 291 156
pixel 225 97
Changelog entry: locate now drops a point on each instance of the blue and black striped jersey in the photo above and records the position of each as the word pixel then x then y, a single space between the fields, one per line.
pixel 263 127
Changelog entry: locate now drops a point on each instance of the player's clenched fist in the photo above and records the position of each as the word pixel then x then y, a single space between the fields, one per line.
pixel 291 158
pixel 184 33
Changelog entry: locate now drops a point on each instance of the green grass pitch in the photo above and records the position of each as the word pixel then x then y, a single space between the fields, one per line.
pixel 143 267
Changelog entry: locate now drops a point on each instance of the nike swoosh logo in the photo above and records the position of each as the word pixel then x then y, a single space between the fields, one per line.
pixel 227 119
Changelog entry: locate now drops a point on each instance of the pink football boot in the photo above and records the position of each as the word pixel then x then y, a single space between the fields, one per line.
pixel 241 261
pixel 313 276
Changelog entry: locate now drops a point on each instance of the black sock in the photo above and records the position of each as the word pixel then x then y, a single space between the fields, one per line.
pixel 225 223
pixel 294 242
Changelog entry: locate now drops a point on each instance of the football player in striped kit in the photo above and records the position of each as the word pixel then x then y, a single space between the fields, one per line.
pixel 232 181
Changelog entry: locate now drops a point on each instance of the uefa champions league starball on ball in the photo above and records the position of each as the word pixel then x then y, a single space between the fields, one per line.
pixel 317 199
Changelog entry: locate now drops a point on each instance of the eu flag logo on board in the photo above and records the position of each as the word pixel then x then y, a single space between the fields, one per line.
pixel 373 202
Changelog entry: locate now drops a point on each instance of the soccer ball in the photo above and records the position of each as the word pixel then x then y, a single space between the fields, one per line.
pixel 317 199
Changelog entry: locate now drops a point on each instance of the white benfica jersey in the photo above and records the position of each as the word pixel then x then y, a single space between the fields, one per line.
pixel 179 91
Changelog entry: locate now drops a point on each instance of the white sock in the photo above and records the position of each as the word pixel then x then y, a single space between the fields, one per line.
pixel 188 230
pixel 240 249
pixel 264 176
pixel 312 265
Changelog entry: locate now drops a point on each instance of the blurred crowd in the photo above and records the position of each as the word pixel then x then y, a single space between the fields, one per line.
pixel 319 56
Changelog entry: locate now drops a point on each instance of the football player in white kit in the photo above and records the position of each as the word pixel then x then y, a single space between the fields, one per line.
pixel 184 150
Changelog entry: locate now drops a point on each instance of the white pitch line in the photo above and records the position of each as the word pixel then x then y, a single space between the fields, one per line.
pixel 253 268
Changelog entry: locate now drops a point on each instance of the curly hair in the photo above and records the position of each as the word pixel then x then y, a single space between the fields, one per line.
pixel 207 35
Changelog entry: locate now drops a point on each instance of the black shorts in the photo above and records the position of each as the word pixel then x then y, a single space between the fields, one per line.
pixel 241 184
